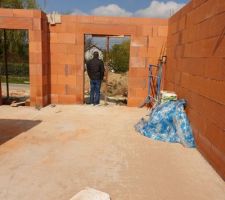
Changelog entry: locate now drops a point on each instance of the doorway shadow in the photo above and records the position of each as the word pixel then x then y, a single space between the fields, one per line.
pixel 114 100
pixel 10 128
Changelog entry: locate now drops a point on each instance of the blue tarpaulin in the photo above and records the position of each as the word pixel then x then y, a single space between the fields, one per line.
pixel 168 122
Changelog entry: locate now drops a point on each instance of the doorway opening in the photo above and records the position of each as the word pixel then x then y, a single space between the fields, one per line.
pixel 14 66
pixel 114 50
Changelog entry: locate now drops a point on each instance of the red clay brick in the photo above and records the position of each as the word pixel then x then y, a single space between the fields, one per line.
pixel 141 92
pixel 156 41
pixel 137 82
pixel 63 28
pixel 137 62
pixel 182 23
pixel 36 24
pixel 37 13
pixel 54 98
pixel 215 112
pixel 35 69
pixel 35 36
pixel 214 68
pixel 35 47
pixel 197 3
pixel 69 18
pixel 163 31
pixel 60 58
pixel 85 19
pixel 6 12
pixel 67 79
pixel 54 79
pixel 23 13
pixel 15 23
pixel 216 136
pixel 66 38
pixel 35 58
pixel 193 66
pixel 134 102
pixel 146 30
pixel 108 29
pixel 58 48
pixel 218 161
pixel 67 99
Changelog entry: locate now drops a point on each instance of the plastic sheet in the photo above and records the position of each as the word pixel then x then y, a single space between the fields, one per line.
pixel 168 122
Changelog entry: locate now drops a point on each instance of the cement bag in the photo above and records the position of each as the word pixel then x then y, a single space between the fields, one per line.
pixel 168 122
pixel 91 194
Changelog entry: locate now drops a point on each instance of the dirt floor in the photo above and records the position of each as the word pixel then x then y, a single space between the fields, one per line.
pixel 53 153
pixel 18 90
pixel 17 93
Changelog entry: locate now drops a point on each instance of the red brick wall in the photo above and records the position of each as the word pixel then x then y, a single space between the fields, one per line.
pixel 67 49
pixel 35 22
pixel 196 71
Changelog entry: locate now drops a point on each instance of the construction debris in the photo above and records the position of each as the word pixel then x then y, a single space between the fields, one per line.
pixel 168 96
pixel 54 18
pixel 17 104
pixel 27 102
pixel 91 194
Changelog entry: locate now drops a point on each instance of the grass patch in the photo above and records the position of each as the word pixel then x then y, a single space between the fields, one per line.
pixel 17 80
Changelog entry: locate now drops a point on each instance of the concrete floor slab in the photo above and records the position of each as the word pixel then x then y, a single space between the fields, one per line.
pixel 54 153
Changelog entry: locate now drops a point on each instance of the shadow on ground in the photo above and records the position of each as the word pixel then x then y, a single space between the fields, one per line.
pixel 10 128
pixel 114 100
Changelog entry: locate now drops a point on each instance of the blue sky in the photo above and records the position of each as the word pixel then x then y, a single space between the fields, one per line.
pixel 127 8
pixel 141 8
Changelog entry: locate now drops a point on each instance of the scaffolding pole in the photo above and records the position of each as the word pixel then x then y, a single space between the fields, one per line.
pixel 107 69
pixel 6 62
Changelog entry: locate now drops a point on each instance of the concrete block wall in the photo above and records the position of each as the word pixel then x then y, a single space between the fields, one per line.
pixel 67 53
pixel 35 22
pixel 196 71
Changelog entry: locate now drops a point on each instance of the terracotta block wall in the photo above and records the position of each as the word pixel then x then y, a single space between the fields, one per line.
pixel 196 71
pixel 56 57
pixel 67 53
pixel 35 22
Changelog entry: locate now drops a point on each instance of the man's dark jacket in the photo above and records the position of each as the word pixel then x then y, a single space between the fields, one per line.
pixel 95 69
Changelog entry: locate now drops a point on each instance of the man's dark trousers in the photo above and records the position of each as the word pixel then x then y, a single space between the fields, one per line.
pixel 95 91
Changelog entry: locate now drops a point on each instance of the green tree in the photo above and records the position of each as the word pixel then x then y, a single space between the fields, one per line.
pixel 17 40
pixel 119 57
pixel 18 4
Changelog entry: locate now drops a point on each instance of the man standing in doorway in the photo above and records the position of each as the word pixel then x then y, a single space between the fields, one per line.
pixel 95 69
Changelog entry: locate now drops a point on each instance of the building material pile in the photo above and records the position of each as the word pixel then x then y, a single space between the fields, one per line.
pixel 168 122
pixel 91 194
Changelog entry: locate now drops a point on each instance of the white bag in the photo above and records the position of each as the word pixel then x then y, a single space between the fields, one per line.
pixel 91 194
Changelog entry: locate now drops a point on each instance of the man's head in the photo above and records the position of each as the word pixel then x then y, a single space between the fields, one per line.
pixel 96 54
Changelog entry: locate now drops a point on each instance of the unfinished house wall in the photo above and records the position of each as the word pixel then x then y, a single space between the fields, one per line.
pixel 0 92
pixel 67 53
pixel 56 57
pixel 36 23
pixel 196 71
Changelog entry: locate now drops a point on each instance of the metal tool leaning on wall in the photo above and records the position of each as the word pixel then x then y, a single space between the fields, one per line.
pixel 154 81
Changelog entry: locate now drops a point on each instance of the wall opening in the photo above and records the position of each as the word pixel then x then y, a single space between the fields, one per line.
pixel 114 50
pixel 14 66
